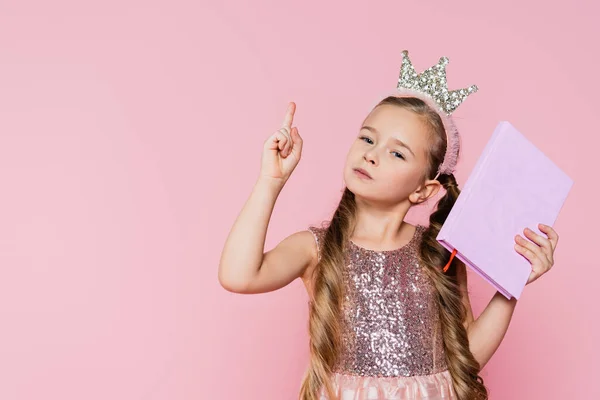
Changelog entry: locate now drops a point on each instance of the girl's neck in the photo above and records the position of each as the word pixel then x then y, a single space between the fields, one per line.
pixel 385 241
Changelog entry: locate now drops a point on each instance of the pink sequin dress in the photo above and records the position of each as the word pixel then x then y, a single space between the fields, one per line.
pixel 392 347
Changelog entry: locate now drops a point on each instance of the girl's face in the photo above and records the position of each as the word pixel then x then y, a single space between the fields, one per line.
pixel 391 147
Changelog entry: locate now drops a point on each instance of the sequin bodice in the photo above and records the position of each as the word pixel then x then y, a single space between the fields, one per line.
pixel 390 322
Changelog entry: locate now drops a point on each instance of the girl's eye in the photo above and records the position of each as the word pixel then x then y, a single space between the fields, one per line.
pixel 370 142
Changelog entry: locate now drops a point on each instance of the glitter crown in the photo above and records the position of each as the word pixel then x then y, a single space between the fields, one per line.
pixel 432 82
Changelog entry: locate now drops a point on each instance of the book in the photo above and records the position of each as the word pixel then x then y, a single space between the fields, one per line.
pixel 513 186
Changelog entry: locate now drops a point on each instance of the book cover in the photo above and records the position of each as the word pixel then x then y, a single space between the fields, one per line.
pixel 513 185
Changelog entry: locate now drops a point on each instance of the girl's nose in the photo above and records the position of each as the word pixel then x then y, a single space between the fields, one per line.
pixel 370 157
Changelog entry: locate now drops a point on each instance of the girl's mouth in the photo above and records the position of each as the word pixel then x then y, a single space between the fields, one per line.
pixel 362 173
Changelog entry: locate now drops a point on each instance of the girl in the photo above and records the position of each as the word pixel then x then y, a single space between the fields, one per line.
pixel 387 319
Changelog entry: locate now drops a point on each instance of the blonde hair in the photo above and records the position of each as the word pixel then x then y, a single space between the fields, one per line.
pixel 325 308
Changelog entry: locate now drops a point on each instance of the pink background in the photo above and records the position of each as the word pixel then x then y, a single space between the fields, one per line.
pixel 130 137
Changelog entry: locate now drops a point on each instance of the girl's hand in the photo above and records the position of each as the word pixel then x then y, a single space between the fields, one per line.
pixel 540 253
pixel 282 150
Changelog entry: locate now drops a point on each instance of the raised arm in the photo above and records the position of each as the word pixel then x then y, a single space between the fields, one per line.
pixel 244 267
pixel 488 330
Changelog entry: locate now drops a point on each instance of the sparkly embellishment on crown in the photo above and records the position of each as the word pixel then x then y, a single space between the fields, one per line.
pixel 432 82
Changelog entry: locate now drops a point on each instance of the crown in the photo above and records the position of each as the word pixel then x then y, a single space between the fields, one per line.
pixel 432 82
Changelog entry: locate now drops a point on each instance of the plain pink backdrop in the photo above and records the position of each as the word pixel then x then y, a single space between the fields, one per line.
pixel 130 137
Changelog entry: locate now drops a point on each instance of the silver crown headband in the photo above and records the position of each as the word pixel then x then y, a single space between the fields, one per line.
pixel 430 86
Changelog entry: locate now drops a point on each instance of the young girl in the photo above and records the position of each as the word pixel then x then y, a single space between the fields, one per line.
pixel 390 316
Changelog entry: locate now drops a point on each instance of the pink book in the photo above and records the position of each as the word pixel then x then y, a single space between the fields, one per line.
pixel 513 185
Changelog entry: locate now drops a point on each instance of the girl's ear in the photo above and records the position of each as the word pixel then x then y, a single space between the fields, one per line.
pixel 429 189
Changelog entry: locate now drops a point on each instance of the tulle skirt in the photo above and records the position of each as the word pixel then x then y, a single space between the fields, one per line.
pixel 436 386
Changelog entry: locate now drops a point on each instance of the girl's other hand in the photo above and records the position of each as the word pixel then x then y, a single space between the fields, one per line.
pixel 539 251
pixel 282 150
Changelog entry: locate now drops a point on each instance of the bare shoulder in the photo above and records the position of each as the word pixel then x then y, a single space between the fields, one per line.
pixel 315 235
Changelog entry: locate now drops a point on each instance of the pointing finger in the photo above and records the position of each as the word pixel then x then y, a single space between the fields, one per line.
pixel 289 116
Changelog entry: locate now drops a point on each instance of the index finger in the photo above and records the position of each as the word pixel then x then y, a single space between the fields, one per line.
pixel 289 116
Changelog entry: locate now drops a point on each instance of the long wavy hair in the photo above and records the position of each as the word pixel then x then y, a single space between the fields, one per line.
pixel 325 308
